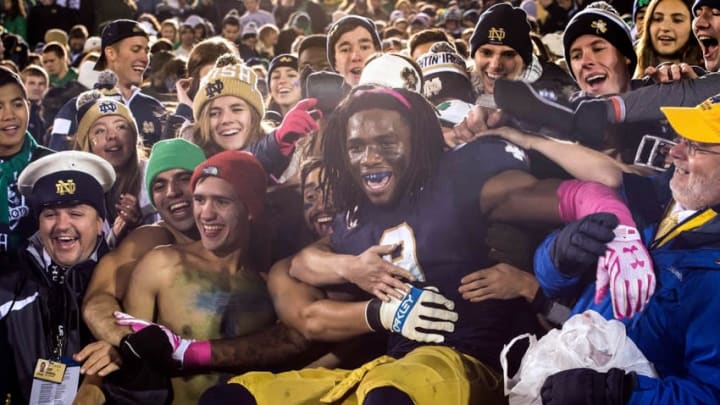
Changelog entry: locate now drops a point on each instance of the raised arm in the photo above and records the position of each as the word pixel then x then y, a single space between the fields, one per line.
pixel 514 196
pixel 581 162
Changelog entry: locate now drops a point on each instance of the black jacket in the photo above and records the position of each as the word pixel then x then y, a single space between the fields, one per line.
pixel 32 305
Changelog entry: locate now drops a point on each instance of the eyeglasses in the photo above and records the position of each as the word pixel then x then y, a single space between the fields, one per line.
pixel 694 148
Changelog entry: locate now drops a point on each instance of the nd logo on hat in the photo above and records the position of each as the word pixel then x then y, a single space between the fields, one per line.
pixel 285 59
pixel 65 187
pixel 214 88
pixel 496 34
pixel 107 107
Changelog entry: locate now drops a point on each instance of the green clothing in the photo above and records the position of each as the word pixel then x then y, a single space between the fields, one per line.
pixel 71 76
pixel 17 26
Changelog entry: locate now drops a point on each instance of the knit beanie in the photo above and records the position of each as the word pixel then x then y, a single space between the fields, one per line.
pixel 347 24
pixel 445 75
pixel 282 60
pixel 93 105
pixel 244 173
pixel 229 77
pixel 700 3
pixel 503 24
pixel 170 154
pixel 604 24
pixel 637 6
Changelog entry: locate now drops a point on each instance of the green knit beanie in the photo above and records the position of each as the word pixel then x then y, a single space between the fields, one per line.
pixel 171 154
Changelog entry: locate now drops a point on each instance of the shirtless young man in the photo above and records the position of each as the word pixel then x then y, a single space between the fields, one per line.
pixel 211 288
pixel 168 182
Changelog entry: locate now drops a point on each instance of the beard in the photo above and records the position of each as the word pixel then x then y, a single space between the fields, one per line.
pixel 698 191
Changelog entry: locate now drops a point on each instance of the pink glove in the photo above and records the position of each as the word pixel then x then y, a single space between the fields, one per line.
pixel 189 352
pixel 627 271
pixel 297 124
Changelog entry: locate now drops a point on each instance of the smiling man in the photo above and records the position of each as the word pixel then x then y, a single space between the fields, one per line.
pixel 501 47
pixel 125 52
pixel 706 27
pixel 167 179
pixel 599 52
pixel 17 149
pixel 677 331
pixel 211 288
pixel 350 42
pixel 386 171
pixel 40 293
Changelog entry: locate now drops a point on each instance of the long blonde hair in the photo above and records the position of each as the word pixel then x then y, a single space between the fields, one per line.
pixel 202 133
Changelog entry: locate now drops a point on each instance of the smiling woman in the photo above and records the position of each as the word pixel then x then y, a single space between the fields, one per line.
pixel 284 83
pixel 106 128
pixel 667 36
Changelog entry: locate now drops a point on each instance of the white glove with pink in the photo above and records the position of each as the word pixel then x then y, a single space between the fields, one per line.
pixel 627 271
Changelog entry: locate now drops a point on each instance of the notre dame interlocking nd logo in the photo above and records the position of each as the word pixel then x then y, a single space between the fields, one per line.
pixel 496 34
pixel 107 108
pixel 65 187
pixel 214 88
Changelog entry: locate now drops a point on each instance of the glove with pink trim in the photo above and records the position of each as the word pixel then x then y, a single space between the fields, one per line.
pixel 188 353
pixel 626 270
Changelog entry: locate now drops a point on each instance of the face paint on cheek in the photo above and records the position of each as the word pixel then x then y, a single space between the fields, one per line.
pixel 296 83
pixel 307 205
pixel 392 155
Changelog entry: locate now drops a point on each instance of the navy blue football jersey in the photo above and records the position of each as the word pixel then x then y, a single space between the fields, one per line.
pixel 442 236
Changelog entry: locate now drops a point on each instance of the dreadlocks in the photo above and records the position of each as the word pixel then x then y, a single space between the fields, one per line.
pixel 426 135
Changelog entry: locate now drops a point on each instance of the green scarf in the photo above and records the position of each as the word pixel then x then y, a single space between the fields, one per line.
pixel 8 169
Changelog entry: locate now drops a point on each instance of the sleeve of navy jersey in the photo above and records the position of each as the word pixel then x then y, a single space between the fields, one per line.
pixel 476 162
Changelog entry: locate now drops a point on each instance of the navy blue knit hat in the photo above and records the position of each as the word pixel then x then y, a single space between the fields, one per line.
pixel 709 3
pixel 503 24
pixel 604 24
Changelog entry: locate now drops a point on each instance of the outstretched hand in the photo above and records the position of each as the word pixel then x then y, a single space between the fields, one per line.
pixel 501 282
pixel 99 358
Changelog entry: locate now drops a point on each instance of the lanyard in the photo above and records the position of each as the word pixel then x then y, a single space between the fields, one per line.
pixel 695 221
pixel 55 319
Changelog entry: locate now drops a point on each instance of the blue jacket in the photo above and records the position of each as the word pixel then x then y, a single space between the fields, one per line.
pixel 678 331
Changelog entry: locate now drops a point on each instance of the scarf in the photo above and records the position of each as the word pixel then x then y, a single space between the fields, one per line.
pixel 8 169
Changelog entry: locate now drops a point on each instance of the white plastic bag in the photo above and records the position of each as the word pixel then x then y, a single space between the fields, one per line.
pixel 586 340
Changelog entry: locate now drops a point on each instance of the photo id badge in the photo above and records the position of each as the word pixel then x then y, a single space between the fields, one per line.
pixel 48 370
pixel 54 382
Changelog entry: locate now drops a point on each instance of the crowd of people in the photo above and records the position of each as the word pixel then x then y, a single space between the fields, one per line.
pixel 294 201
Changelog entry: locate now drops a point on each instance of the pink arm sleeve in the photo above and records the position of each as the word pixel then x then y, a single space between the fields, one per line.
pixel 580 198
pixel 198 354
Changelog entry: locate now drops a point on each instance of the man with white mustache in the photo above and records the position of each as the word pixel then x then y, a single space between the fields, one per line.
pixel 677 331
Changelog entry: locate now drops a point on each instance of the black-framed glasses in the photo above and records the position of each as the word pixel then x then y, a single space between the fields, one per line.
pixel 694 148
